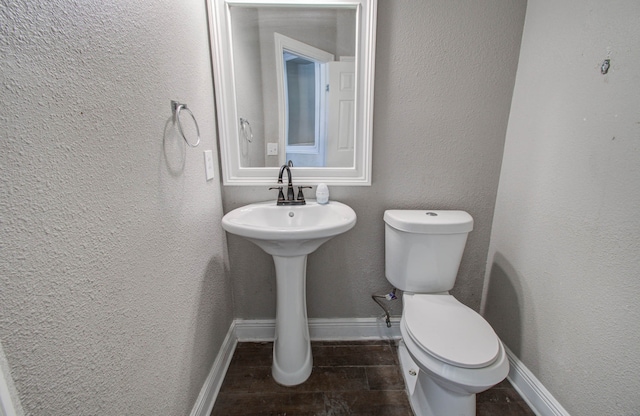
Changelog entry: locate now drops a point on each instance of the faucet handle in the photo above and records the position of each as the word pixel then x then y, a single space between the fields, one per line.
pixel 280 193
pixel 300 194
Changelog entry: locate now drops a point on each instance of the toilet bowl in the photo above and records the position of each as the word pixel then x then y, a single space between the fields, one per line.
pixel 448 352
pixel 447 355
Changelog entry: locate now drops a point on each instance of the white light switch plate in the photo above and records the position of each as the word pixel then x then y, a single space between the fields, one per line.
pixel 208 164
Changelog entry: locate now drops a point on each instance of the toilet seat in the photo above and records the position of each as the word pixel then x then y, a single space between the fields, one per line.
pixel 449 330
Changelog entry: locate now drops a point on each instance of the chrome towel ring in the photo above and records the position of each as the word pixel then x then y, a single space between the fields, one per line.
pixel 176 107
pixel 247 132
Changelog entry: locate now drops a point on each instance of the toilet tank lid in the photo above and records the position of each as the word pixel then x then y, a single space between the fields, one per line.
pixel 429 221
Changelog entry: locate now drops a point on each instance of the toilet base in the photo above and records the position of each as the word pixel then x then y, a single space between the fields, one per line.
pixel 428 398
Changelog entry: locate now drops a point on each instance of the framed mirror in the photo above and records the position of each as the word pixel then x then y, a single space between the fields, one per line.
pixel 294 84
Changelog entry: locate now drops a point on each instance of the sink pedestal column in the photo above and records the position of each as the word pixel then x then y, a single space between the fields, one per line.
pixel 289 234
pixel 292 361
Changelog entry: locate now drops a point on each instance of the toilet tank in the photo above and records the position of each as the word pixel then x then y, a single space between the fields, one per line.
pixel 423 248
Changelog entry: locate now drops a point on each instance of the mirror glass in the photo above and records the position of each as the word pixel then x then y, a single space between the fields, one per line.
pixel 294 84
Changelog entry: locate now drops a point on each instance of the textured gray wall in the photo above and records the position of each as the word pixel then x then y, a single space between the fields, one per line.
pixel 563 283
pixel 114 297
pixel 444 80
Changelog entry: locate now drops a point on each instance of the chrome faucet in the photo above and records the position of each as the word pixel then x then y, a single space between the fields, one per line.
pixel 291 199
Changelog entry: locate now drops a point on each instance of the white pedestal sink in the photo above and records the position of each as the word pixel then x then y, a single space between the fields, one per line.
pixel 289 234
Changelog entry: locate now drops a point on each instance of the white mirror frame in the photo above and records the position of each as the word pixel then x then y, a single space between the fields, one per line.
pixel 228 125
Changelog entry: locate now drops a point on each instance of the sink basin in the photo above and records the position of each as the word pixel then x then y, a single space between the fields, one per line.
pixel 289 234
pixel 290 230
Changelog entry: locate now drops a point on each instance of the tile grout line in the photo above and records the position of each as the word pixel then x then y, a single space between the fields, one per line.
pixel 366 377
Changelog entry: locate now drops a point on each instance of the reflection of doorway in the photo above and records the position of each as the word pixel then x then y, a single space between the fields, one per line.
pixel 304 133
pixel 302 81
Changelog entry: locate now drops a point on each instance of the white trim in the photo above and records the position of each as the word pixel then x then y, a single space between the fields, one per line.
pixel 323 329
pixel 9 401
pixel 248 330
pixel 532 391
pixel 207 397
pixel 6 404
pixel 353 329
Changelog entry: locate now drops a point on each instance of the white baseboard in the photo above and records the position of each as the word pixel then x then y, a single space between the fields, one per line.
pixel 322 329
pixel 207 397
pixel 352 329
pixel 539 399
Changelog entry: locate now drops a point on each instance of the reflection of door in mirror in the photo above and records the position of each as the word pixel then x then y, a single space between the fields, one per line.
pixel 319 104
pixel 316 109
pixel 302 104
pixel 341 115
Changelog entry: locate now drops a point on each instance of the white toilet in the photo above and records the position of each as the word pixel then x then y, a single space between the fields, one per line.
pixel 448 352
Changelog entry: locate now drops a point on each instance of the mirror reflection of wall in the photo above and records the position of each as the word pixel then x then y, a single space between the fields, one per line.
pixel 249 82
pixel 330 29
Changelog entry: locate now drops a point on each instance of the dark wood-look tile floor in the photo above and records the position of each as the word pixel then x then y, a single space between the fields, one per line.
pixel 348 378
